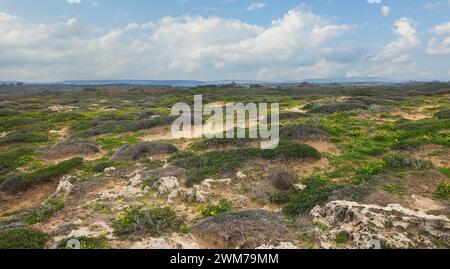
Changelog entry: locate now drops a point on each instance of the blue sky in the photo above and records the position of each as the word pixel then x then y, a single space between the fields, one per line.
pixel 50 40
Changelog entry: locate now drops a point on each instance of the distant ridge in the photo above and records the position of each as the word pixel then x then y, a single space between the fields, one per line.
pixel 193 83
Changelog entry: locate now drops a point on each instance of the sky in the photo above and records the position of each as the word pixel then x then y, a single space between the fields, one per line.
pixel 276 40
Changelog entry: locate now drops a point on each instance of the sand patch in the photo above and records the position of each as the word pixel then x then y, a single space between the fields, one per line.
pixel 30 198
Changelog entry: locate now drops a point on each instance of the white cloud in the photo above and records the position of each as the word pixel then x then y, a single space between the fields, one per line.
pixel 439 43
pixel 393 60
pixel 183 47
pixel 74 2
pixel 256 6
pixel 385 10
pixel 407 40
pixel 374 1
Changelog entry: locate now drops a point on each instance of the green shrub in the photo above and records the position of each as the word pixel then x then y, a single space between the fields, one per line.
pixel 398 162
pixel 398 189
pixel 45 211
pixel 8 113
pixel 279 198
pixel 443 115
pixel 8 123
pixel 63 117
pixel 302 131
pixel 16 138
pixel 22 181
pixel 211 210
pixel 393 162
pixel 292 115
pixel 22 238
pixel 443 190
pixel 15 158
pixel 113 142
pixel 153 221
pixel 283 178
pixel 316 192
pixel 342 238
pixel 336 107
pixel 221 143
pixel 291 150
pixel 86 243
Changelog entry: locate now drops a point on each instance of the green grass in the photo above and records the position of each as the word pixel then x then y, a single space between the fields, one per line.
pixel 443 191
pixel 154 221
pixel 212 210
pixel 15 158
pixel 398 189
pixel 113 142
pixel 342 238
pixel 22 238
pixel 45 211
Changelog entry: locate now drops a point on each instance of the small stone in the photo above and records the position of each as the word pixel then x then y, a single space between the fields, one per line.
pixel 240 175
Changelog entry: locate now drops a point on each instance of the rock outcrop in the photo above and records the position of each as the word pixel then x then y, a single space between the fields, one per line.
pixel 369 226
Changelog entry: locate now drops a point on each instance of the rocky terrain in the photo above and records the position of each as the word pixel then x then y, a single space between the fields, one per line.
pixel 358 166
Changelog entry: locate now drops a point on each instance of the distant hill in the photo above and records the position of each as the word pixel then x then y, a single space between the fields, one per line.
pixel 194 83
pixel 174 83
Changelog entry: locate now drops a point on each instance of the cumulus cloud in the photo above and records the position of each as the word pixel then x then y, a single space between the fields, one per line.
pixel 393 60
pixel 407 40
pixel 439 43
pixel 255 6
pixel 184 47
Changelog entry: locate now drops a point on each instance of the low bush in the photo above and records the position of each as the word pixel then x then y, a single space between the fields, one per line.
pixel 443 114
pixel 302 131
pixel 19 182
pixel 8 113
pixel 342 238
pixel 21 137
pixel 398 162
pixel 337 107
pixel 8 123
pixel 112 142
pixel 393 162
pixel 280 198
pixel 317 191
pixel 291 150
pixel 136 151
pixel 398 189
pixel 70 148
pixel 153 221
pixel 293 115
pixel 283 178
pixel 22 238
pixel 10 160
pixel 443 190
pixel 45 211
pixel 212 210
